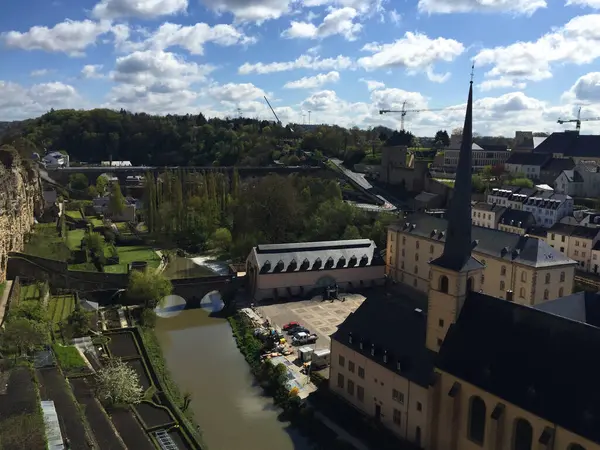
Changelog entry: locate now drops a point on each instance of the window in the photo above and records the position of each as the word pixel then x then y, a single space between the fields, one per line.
pixel 398 396
pixel 547 278
pixel 546 294
pixel 562 249
pixel 522 292
pixel 361 372
pixel 576 243
pixel 503 270
pixel 562 239
pixel 575 447
pixel 419 406
pixel 502 286
pixel 415 282
pixel 482 279
pixel 553 236
pixel 441 322
pixel 562 277
pixel 392 237
pixel 341 361
pixel 584 245
pixel 360 393
pixel 522 435
pixel 444 284
pixel 431 249
pixel 576 252
pixel 350 366
pixel 402 252
pixel 397 417
pixel 350 387
pixel 403 240
pixel 417 257
pixel 340 381
pixel 561 291
pixel 418 245
pixel 476 426
pixel 470 284
pixel 416 270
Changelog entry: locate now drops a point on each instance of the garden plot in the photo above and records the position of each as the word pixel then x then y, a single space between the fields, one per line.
pixel 111 316
pixel 54 387
pixel 138 366
pixel 154 416
pixel 60 308
pixel 130 430
pixel 106 436
pixel 122 345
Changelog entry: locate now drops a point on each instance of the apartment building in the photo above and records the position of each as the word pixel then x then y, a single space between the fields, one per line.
pixel 527 164
pixel 529 267
pixel 575 242
pixel 510 196
pixel 486 215
pixel 582 181
pixel 516 221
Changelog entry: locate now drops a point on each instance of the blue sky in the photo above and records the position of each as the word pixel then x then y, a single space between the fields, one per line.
pixel 536 60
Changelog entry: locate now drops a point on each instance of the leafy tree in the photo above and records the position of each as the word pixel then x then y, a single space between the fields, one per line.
pixel 92 191
pixel 148 288
pixel 78 182
pixel 79 322
pixel 221 239
pixel 116 203
pixel 148 318
pixel 441 138
pixel 351 232
pixel 101 184
pixel 94 242
pixel 521 182
pixel 117 383
pixel 23 335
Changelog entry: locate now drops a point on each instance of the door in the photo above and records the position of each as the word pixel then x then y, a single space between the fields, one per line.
pixel 377 412
pixel 418 437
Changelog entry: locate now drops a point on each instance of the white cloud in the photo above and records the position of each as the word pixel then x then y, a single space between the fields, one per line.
pixel 373 85
pixel 39 72
pixel 193 38
pixel 18 102
pixel 395 17
pixel 314 82
pixel 501 83
pixel 525 7
pixel 589 3
pixel 234 93
pixel 71 37
pixel 414 52
pixel 363 6
pixel 92 71
pixel 251 11
pixel 577 42
pixel 142 9
pixel 303 62
pixel 585 90
pixel 338 21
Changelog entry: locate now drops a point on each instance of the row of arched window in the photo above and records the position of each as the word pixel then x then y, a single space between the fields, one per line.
pixel 522 438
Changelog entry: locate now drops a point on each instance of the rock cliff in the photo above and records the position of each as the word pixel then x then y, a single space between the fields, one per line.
pixel 20 201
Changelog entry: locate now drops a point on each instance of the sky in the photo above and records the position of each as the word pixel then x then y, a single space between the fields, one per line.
pixel 535 61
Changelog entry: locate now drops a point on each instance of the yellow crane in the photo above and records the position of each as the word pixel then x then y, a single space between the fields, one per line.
pixel 578 120
pixel 404 111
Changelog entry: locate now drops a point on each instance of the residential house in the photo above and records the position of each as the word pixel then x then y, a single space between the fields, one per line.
pixel 287 270
pixel 469 370
pixel 128 214
pixel 527 164
pixel 553 169
pixel 486 215
pixel 516 221
pixel 584 218
pixel 575 242
pixel 582 181
pixel 548 207
pixel 571 144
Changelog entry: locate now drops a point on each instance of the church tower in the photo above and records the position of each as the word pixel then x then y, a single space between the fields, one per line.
pixel 455 272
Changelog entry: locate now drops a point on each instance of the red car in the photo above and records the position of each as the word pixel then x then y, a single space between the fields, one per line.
pixel 290 325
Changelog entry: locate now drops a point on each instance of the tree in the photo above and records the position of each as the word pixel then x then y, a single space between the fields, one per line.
pixel 148 288
pixel 442 138
pixel 351 232
pixel 117 383
pixel 22 335
pixel 78 182
pixel 101 184
pixel 221 239
pixel 94 242
pixel 79 322
pixel 116 203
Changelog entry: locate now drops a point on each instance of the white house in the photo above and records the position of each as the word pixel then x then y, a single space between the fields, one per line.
pixel 548 207
pixel 510 196
pixel 486 215
pixel 308 268
pixel 55 159
pixel 582 181
pixel 528 164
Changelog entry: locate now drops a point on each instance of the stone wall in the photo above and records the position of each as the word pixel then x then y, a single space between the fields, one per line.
pixel 20 201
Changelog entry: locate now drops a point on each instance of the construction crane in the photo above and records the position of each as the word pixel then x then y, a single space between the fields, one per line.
pixel 272 110
pixel 404 111
pixel 578 120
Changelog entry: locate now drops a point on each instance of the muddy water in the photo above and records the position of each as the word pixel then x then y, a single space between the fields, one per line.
pixel 231 410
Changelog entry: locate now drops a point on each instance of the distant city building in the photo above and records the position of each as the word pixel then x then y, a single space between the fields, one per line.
pixel 287 270
pixel 575 242
pixel 486 215
pixel 527 164
pixel 582 181
pixel 571 144
pixel 485 155
pixel 54 160
pixel 516 221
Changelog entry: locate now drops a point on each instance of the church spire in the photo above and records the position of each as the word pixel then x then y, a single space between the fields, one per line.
pixel 457 249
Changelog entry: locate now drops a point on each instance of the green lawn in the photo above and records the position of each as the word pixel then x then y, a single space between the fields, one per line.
pixel 46 243
pixel 68 357
pixel 59 308
pixel 74 215
pixel 29 292
pixel 74 238
pixel 95 221
pixel 133 253
pixel 445 181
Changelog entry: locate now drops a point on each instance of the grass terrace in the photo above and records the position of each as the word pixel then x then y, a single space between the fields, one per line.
pixel 69 358
pixel 46 243
pixel 59 308
pixel 29 292
pixel 133 253
pixel 74 238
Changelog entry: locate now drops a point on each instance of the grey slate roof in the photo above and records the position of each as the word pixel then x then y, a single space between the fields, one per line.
pixel 326 255
pixel 573 176
pixel 574 230
pixel 527 356
pixel 571 144
pixel 581 306
pixel 393 326
pixel 483 206
pixel 517 218
pixel 498 244
pixel 557 165
pixel 528 159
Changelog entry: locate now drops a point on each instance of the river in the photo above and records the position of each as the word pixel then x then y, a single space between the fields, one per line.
pixel 202 356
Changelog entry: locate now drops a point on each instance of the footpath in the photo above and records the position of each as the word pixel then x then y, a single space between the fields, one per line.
pixel 4 299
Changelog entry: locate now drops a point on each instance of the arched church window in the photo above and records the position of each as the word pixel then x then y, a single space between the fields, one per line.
pixel 444 284
pixel 477 416
pixel 522 435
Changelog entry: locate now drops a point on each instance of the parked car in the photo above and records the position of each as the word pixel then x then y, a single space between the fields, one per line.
pixel 297 330
pixel 304 338
pixel 289 325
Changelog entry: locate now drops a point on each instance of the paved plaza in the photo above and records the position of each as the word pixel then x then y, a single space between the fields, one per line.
pixel 320 317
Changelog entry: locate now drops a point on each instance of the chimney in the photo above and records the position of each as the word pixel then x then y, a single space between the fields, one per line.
pixel 509 295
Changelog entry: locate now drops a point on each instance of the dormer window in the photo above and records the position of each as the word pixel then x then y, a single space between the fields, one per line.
pixel 292 265
pixel 350 338
pixel 364 260
pixel 305 264
pixel 341 262
pixel 266 267
pixel 398 366
pixel 353 261
pixel 372 349
pixel 360 345
pixel 329 263
pixel 317 264
pixel 385 358
pixel 279 267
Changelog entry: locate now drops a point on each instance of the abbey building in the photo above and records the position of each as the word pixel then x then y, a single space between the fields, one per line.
pixel 484 347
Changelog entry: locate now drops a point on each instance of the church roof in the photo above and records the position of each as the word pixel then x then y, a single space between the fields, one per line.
pixel 581 306
pixel 325 255
pixel 495 243
pixel 540 362
pixel 392 325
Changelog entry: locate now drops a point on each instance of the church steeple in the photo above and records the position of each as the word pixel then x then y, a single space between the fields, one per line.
pixel 457 249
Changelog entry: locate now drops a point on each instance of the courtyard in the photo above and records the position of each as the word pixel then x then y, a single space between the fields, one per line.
pixel 321 317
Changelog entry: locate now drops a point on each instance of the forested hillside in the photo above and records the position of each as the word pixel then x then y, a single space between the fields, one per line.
pixel 96 135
